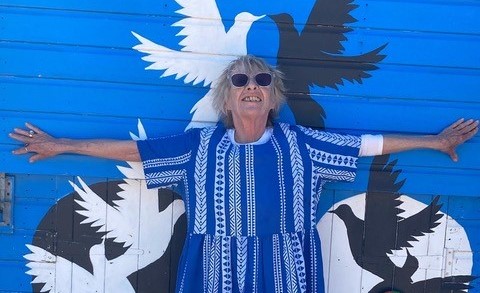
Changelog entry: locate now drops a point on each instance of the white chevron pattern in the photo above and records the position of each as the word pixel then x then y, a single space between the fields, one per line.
pixel 235 203
pixel 167 161
pixel 281 183
pixel 242 253
pixel 165 178
pixel 334 138
pixel 297 173
pixel 200 225
pixel 220 217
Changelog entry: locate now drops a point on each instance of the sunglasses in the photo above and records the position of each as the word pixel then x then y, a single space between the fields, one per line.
pixel 241 79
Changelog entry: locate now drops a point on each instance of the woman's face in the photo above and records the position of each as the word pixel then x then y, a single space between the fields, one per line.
pixel 250 96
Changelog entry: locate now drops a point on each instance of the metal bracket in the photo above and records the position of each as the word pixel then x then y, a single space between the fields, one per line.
pixel 6 195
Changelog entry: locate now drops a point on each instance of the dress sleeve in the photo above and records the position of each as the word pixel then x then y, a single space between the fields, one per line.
pixel 334 156
pixel 165 160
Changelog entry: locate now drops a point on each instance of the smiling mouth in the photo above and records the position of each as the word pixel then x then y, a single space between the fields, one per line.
pixel 251 99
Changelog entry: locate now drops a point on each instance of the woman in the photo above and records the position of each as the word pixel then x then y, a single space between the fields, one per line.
pixel 251 186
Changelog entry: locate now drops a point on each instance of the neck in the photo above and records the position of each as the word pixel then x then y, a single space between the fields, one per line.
pixel 247 131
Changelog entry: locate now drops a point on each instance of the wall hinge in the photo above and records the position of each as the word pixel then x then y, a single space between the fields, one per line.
pixel 6 203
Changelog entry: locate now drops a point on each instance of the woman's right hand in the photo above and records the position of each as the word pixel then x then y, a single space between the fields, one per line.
pixel 36 141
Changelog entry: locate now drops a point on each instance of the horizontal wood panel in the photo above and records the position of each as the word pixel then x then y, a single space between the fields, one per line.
pixel 107 101
pixel 113 31
pixel 124 66
pixel 443 16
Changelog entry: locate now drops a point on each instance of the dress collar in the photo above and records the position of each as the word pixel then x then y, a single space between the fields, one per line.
pixel 263 139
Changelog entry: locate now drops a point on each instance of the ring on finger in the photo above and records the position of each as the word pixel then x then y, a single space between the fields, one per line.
pixel 31 133
pixel 26 149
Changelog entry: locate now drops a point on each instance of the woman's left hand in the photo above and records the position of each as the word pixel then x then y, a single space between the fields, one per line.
pixel 456 134
pixel 35 141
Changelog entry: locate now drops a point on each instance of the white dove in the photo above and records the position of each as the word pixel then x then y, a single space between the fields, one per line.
pixel 135 220
pixel 207 50
pixel 61 275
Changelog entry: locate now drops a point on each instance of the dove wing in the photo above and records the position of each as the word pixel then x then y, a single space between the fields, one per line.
pixel 54 271
pixel 203 55
pixel 382 206
pixel 99 214
pixel 326 21
pixel 42 267
pixel 202 26
pixel 333 70
pixel 419 224
pixel 191 66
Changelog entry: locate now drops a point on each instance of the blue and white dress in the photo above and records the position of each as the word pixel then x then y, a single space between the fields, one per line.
pixel 250 208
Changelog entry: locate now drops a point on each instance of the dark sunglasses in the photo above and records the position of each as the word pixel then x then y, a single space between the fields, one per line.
pixel 241 79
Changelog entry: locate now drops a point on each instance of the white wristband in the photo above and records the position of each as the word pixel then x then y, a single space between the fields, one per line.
pixel 372 145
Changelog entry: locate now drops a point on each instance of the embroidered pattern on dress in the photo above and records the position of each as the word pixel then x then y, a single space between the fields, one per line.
pixel 214 270
pixel 330 174
pixel 281 176
pixel 165 177
pixel 154 163
pixel 313 197
pixel 207 242
pixel 200 175
pixel 250 181
pixel 226 265
pixel 338 139
pixel 242 254
pixel 220 219
pixel 299 263
pixel 313 261
pixel 289 264
pixel 331 159
pixel 277 264
pixel 297 173
pixel 255 264
pixel 235 203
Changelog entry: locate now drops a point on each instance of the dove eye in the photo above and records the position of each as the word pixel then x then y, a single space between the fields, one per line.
pixel 241 79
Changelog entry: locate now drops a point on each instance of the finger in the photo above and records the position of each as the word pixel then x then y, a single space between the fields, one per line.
pixel 463 125
pixel 21 151
pixel 471 133
pixel 453 156
pixel 456 123
pixel 21 131
pixel 35 158
pixel 19 137
pixel 33 127
pixel 470 127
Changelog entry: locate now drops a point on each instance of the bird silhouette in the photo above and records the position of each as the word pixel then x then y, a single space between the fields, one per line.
pixel 135 214
pixel 314 57
pixel 207 49
pixel 402 281
pixel 61 275
pixel 382 229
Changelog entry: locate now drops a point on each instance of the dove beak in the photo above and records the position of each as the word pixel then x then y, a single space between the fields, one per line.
pixel 259 17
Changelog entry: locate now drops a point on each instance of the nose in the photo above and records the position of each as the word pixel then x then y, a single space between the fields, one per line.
pixel 252 84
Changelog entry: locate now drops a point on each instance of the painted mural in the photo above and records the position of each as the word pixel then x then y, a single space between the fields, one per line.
pixel 409 222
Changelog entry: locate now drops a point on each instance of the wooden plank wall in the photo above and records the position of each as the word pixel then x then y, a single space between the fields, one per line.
pixel 69 67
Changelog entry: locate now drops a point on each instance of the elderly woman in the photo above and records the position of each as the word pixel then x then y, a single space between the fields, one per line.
pixel 251 186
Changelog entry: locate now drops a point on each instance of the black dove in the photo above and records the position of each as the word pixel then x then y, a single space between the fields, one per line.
pixel 383 230
pixel 313 57
pixel 403 283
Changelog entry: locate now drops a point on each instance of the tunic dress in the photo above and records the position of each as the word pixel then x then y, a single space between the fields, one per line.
pixel 251 209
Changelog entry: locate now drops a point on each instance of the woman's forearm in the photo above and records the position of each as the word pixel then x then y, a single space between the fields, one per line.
pixel 446 141
pixel 125 150
pixel 43 146
pixel 400 143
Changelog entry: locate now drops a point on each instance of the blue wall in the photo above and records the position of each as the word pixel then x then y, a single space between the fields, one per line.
pixel 69 67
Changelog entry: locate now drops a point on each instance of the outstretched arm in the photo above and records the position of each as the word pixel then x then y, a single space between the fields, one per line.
pixel 45 146
pixel 446 141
